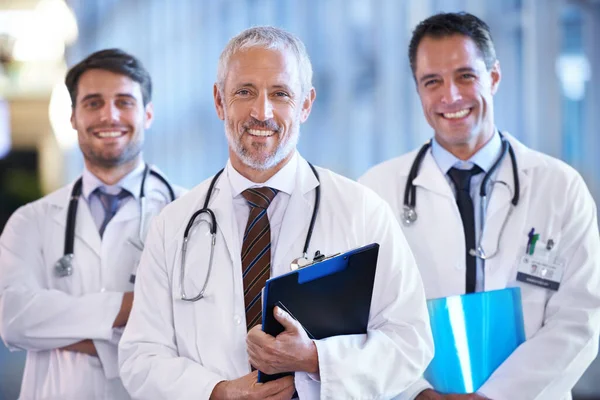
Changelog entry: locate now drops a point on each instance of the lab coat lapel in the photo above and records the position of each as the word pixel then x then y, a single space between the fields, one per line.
pixel 222 205
pixel 501 197
pixel 298 213
pixel 431 178
pixel 85 228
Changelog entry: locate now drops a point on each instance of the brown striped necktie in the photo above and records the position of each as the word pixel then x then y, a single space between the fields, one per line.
pixel 256 251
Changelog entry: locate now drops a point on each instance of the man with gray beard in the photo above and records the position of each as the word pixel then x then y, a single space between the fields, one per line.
pixel 194 331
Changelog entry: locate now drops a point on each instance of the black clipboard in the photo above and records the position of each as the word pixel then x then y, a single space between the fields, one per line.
pixel 328 298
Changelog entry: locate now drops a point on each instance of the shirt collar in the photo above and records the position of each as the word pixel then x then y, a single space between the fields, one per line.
pixel 284 180
pixel 484 158
pixel 130 182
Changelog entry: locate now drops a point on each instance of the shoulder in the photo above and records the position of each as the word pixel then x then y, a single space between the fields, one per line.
pixel 33 214
pixel 345 194
pixel 396 169
pixel 542 168
pixel 186 203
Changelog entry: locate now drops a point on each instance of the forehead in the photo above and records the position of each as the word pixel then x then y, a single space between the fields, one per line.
pixel 259 66
pixel 106 83
pixel 436 55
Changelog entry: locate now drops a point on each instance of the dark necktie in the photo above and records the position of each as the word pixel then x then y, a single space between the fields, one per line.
pixel 256 251
pixel 110 203
pixel 462 182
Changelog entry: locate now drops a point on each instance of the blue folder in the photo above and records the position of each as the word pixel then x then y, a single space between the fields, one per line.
pixel 473 335
pixel 329 298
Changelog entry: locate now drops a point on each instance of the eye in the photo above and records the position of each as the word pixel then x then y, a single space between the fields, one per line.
pixel 93 104
pixel 243 92
pixel 125 103
pixel 281 94
pixel 468 76
pixel 430 82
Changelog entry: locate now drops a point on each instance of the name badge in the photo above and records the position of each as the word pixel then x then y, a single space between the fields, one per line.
pixel 539 272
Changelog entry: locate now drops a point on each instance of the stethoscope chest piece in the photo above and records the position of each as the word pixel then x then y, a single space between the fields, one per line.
pixel 300 262
pixel 64 266
pixel 409 216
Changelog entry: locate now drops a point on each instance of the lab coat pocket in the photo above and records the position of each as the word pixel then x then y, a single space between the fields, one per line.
pixel 533 298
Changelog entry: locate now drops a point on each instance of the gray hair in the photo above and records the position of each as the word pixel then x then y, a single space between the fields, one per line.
pixel 267 37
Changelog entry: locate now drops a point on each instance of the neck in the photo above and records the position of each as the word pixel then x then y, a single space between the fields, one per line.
pixel 466 150
pixel 111 175
pixel 256 175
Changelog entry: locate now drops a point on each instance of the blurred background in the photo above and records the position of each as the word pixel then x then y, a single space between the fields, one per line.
pixel 366 111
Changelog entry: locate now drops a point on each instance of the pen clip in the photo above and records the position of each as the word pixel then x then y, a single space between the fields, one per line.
pixel 284 308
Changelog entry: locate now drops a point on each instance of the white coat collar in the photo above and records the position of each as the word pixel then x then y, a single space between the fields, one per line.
pixel 295 220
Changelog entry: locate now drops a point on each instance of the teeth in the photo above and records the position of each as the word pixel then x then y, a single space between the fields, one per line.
pixel 458 114
pixel 259 132
pixel 110 134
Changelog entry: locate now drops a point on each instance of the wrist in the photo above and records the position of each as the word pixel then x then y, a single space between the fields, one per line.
pixel 219 392
pixel 428 394
pixel 312 365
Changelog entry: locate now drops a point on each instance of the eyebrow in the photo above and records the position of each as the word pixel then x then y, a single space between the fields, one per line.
pixel 465 69
pixel 98 96
pixel 277 86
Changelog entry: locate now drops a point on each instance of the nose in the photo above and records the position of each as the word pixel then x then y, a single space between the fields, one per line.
pixel 262 108
pixel 451 93
pixel 109 113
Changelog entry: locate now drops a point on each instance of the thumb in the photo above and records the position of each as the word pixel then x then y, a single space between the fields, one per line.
pixel 289 323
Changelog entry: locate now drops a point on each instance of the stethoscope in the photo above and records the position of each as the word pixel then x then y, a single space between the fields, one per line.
pixel 212 226
pixel 64 266
pixel 409 214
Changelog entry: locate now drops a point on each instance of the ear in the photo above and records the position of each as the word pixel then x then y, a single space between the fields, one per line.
pixel 148 115
pixel 496 75
pixel 218 102
pixel 73 118
pixel 307 104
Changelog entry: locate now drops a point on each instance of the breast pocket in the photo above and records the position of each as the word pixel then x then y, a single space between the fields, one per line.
pixel 534 297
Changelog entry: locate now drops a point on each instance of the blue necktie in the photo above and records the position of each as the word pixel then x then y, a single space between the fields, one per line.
pixel 110 203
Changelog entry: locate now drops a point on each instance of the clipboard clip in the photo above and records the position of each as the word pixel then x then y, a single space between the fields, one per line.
pixel 303 262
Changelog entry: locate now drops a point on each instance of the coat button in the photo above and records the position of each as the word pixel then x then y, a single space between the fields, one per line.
pixel 237 319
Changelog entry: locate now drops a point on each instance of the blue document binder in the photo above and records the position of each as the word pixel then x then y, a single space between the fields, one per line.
pixel 473 335
pixel 329 298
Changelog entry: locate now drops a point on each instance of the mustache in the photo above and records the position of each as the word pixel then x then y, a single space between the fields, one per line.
pixel 254 123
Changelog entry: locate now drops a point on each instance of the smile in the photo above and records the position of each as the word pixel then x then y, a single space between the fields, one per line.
pixel 260 132
pixel 457 115
pixel 109 134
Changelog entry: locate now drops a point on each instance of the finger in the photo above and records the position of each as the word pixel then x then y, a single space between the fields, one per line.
pixel 289 323
pixel 254 359
pixel 258 337
pixel 277 386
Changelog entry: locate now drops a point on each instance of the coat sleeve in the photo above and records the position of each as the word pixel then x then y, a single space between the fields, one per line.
pixel 150 365
pixel 398 345
pixel 550 362
pixel 33 317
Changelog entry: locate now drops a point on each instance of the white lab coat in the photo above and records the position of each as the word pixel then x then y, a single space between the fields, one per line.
pixel 40 312
pixel 561 327
pixel 173 349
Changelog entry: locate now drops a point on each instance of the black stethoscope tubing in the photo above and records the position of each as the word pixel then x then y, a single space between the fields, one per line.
pixel 410 190
pixel 74 201
pixel 213 227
